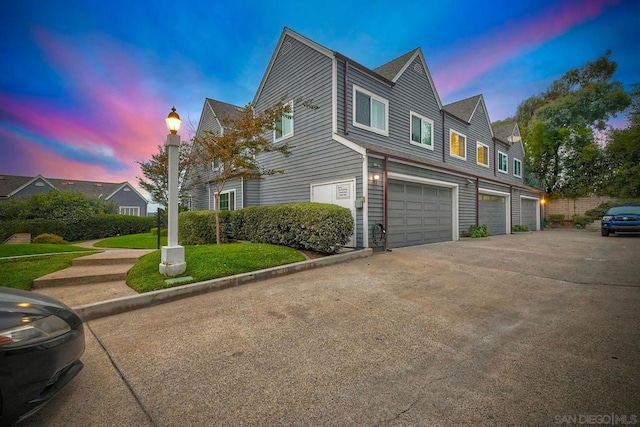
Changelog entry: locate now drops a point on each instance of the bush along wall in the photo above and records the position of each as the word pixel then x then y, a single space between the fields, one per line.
pixel 317 227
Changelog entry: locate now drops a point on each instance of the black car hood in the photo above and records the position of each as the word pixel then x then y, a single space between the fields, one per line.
pixel 16 305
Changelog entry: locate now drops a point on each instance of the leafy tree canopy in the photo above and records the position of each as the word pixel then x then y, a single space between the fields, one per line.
pixel 156 173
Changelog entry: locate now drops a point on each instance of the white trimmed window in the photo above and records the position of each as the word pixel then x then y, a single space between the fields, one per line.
pixel 457 144
pixel 284 126
pixel 227 200
pixel 482 154
pixel 130 210
pixel 421 131
pixel 517 168
pixel 370 111
pixel 503 162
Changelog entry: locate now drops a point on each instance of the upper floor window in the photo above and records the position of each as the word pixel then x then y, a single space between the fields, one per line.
pixel 503 162
pixel 457 144
pixel 517 168
pixel 421 131
pixel 371 112
pixel 284 126
pixel 482 154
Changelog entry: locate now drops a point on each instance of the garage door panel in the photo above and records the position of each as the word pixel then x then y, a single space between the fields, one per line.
pixel 418 214
pixel 528 217
pixel 492 212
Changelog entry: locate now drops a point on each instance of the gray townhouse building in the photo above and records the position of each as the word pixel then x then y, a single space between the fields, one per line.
pixel 382 144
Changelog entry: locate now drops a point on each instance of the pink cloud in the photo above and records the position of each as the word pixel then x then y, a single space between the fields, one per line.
pixel 514 38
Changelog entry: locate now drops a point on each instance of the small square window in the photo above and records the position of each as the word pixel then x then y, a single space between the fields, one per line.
pixel 503 162
pixel 370 111
pixel 517 168
pixel 482 154
pixel 421 131
pixel 457 145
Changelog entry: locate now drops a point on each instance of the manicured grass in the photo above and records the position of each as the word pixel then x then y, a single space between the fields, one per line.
pixel 132 241
pixel 21 272
pixel 37 248
pixel 211 262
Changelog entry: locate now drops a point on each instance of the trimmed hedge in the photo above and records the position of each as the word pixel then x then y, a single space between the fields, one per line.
pixel 319 227
pixel 199 227
pixel 95 227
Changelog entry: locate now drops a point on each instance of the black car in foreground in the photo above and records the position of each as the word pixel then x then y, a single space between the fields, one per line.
pixel 41 341
pixel 624 218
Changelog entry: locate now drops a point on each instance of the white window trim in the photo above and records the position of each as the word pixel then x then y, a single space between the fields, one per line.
pixel 384 132
pixel 514 167
pixel 478 144
pixel 135 208
pixel 500 163
pixel 235 200
pixel 290 134
pixel 451 131
pixel 424 119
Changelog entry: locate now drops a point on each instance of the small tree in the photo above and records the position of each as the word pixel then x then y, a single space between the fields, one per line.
pixel 236 152
pixel 156 172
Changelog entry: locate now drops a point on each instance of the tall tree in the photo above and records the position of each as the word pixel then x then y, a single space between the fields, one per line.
pixel 236 152
pixel 156 173
pixel 560 125
pixel 623 153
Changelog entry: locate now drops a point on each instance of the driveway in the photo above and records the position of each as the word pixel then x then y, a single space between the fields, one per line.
pixel 531 329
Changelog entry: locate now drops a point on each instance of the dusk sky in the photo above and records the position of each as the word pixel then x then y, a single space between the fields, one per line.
pixel 85 85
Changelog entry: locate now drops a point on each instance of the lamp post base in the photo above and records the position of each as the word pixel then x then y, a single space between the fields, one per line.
pixel 172 261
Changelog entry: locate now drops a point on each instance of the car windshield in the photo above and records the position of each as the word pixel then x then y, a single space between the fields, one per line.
pixel 621 210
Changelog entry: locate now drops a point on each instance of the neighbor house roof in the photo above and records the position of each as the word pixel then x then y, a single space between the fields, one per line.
pixel 11 184
pixel 223 110
pixel 506 130
pixel 464 108
pixel 391 69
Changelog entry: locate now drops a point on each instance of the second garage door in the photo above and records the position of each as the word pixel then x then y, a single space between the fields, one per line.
pixel 528 215
pixel 492 212
pixel 418 214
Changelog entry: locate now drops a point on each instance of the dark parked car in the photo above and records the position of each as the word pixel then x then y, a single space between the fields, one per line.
pixel 41 341
pixel 625 218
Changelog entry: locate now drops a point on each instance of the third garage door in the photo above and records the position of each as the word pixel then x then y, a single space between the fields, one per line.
pixel 492 212
pixel 418 214
pixel 528 217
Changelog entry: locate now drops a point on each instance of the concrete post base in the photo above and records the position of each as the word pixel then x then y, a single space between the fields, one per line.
pixel 172 261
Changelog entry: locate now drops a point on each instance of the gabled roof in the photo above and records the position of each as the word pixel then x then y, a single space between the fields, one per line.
pixel 223 110
pixel 507 131
pixel 466 108
pixel 392 68
pixel 11 184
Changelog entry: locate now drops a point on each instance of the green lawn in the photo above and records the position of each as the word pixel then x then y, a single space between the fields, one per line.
pixel 132 241
pixel 212 261
pixel 19 273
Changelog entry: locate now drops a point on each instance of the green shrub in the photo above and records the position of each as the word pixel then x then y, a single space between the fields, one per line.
pixel 519 228
pixel 478 231
pixel 95 227
pixel 319 227
pixel 581 220
pixel 164 232
pixel 48 238
pixel 65 206
pixel 556 219
pixel 199 227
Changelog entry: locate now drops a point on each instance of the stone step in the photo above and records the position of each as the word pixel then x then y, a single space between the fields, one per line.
pixel 81 275
pixel 88 294
pixel 111 257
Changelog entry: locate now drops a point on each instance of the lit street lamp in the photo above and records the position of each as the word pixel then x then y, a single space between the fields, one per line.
pixel 172 262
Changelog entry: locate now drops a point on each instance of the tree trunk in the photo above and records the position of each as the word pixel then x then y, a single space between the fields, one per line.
pixel 217 201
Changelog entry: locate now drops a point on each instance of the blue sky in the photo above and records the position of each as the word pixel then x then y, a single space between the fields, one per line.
pixel 85 85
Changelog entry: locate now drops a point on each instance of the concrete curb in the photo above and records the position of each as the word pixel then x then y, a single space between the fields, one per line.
pixel 120 305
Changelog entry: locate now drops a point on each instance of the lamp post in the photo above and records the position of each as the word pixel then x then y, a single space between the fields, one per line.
pixel 172 256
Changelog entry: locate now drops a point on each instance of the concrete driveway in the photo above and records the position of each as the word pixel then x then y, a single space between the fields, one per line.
pixel 531 329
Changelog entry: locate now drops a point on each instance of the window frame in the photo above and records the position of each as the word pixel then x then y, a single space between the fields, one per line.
pixel 451 132
pixel 235 200
pixel 517 169
pixel 377 98
pixel 480 144
pixel 284 135
pixel 506 162
pixel 135 209
pixel 423 119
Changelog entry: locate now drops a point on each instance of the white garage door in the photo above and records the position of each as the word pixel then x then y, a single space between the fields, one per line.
pixel 492 212
pixel 418 214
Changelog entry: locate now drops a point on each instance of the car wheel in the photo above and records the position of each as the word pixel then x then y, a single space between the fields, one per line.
pixel 604 232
